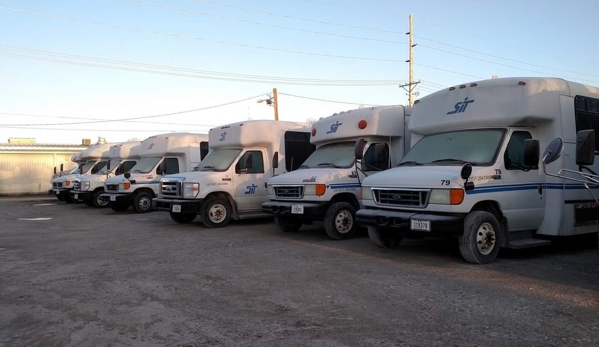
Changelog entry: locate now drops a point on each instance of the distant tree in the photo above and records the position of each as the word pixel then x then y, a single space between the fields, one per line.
pixel 133 139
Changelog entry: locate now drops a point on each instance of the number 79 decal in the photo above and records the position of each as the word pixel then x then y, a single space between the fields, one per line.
pixel 445 182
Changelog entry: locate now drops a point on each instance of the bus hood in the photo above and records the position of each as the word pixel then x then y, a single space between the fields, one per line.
pixel 137 177
pixel 316 175
pixel 199 176
pixel 429 177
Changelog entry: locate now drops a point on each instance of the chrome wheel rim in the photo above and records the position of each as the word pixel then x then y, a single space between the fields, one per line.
pixel 145 203
pixel 344 222
pixel 217 213
pixel 485 238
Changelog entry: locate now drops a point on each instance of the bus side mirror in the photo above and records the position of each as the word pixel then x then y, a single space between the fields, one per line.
pixel 161 168
pixel 531 153
pixel 359 149
pixel 61 167
pixel 108 166
pixel 553 151
pixel 585 147
pixel 55 170
pixel 275 160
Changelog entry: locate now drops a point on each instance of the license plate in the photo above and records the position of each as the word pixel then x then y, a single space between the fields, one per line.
pixel 112 198
pixel 176 208
pixel 56 191
pixel 76 197
pixel 423 225
pixel 297 209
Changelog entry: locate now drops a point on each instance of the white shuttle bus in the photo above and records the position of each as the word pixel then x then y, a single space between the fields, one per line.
pixel 56 178
pixel 474 174
pixel 121 158
pixel 159 155
pixel 91 161
pixel 326 187
pixel 230 183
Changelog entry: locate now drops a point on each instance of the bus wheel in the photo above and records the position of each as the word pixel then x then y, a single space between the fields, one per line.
pixel 183 218
pixel 216 212
pixel 142 202
pixel 119 206
pixel 340 221
pixel 384 238
pixel 480 242
pixel 287 225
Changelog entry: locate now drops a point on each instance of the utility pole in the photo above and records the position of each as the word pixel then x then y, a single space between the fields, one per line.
pixel 411 85
pixel 275 103
pixel 272 101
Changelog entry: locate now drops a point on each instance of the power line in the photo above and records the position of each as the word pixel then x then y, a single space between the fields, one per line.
pixel 263 24
pixel 326 100
pixel 162 33
pixel 81 118
pixel 103 130
pixel 175 71
pixel 498 57
pixel 397 32
pixel 141 117
pixel 300 18
pixel 449 71
pixel 496 63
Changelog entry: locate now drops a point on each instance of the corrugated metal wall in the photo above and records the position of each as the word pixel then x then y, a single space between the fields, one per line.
pixel 30 172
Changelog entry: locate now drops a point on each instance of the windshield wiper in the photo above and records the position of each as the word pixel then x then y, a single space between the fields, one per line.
pixel 304 167
pixel 329 164
pixel 409 163
pixel 451 160
pixel 206 168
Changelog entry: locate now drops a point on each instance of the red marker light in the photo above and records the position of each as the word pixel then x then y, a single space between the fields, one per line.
pixel 362 124
pixel 521 83
pixel 313 131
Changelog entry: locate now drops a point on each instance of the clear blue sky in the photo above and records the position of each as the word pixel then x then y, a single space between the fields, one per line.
pixel 58 58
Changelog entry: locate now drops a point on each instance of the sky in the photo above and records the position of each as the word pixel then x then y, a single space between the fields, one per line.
pixel 129 69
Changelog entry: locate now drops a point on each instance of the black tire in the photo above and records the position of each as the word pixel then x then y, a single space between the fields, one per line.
pixel 97 202
pixel 481 239
pixel 119 206
pixel 340 221
pixel 89 203
pixel 216 212
pixel 68 199
pixel 288 225
pixel 142 202
pixel 183 218
pixel 384 238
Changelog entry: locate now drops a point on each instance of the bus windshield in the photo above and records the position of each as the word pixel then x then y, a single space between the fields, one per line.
pixel 477 147
pixel 145 165
pixel 218 160
pixel 339 155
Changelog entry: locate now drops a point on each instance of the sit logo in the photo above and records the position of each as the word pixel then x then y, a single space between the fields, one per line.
pixel 251 189
pixel 334 127
pixel 151 145
pixel 222 136
pixel 461 106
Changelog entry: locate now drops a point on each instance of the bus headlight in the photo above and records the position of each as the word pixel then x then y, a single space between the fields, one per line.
pixel 315 189
pixel 446 196
pixel 366 193
pixel 190 190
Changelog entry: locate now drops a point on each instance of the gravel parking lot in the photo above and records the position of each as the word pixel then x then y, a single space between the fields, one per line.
pixel 71 275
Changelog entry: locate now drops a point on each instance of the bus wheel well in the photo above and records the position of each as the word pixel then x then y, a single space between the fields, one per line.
pixel 146 190
pixel 346 197
pixel 229 198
